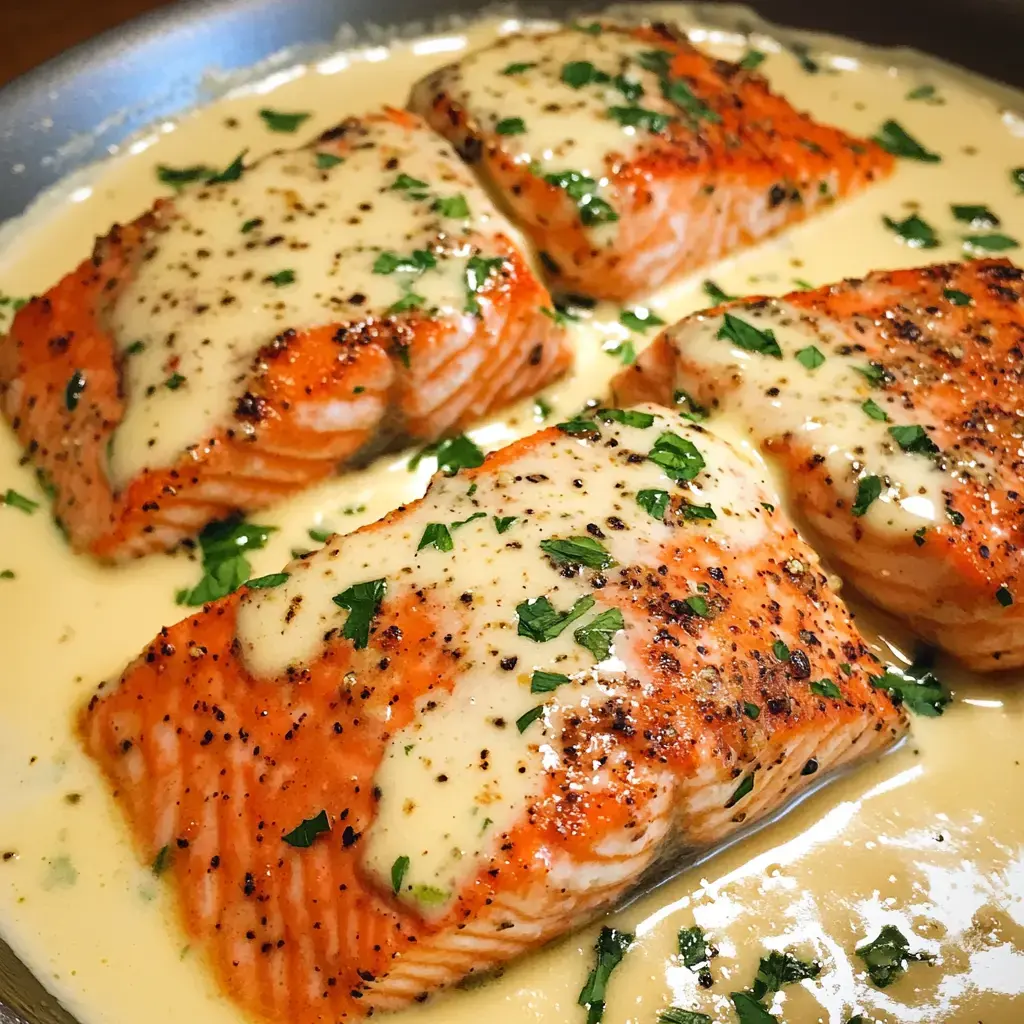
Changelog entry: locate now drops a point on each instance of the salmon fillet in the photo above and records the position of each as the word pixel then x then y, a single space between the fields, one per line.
pixel 892 405
pixel 490 715
pixel 249 337
pixel 631 158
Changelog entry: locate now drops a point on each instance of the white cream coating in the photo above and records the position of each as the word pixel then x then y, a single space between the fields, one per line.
pixel 930 839
pixel 540 98
pixel 439 806
pixel 823 408
pixel 204 301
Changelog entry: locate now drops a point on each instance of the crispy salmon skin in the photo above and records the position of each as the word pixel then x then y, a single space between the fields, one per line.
pixel 631 158
pixel 893 406
pixel 459 732
pixel 248 337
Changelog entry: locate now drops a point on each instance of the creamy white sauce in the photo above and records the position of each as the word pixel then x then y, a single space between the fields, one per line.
pixel 931 838
pixel 854 443
pixel 293 242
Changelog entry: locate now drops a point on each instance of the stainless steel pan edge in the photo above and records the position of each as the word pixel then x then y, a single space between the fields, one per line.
pixel 157 66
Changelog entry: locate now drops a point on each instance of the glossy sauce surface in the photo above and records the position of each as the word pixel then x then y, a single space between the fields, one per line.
pixel 931 838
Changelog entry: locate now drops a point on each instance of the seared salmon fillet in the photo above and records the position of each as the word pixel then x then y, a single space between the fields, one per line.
pixel 257 332
pixel 457 733
pixel 631 158
pixel 892 405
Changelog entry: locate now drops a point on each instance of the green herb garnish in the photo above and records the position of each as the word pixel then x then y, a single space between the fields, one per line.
pixel 750 1011
pixel 502 523
pixel 452 206
pixel 179 177
pixel 583 551
pixel 653 502
pixel 273 579
pixel 325 161
pixel 745 787
pixel 627 417
pixel 887 956
pixel 977 215
pixel 715 294
pixel 826 688
pixel 597 635
pixel 1003 595
pixel 748 337
pixel 518 68
pixel 579 73
pixel 281 278
pixel 363 602
pixel 582 190
pixel 511 126
pixel 690 409
pixel 479 270
pixel 916 687
pixel 751 59
pixel 524 721
pixel 279 121
pixel 453 454
pixel 892 137
pixel 225 568
pixel 640 117
pixel 869 489
pixel 303 835
pixel 994 242
pixel 778 969
pixel 811 357
pixel 914 439
pixel 875 411
pixel 917 233
pixel 162 861
pixel 540 621
pixel 546 682
pixel 780 650
pixel 610 948
pixel 232 172
pixel 639 319
pixel 957 297
pixel 678 457
pixel 399 870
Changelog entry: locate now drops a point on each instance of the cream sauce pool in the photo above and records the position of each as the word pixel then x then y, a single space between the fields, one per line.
pixel 930 838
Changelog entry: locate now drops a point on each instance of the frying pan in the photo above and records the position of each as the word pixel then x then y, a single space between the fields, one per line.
pixel 155 67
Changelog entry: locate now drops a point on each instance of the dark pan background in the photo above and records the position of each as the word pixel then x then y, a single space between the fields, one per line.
pixel 152 67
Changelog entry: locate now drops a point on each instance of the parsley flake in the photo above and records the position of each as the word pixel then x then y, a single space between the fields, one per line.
pixel 174 381
pixel 893 138
pixel 399 870
pixel 582 190
pixel 977 215
pixel 524 721
pixel 547 682
pixel 957 297
pixel 363 602
pixel 437 535
pixel 750 1011
pixel 279 121
pixel 994 242
pixel 653 502
pixel 826 688
pixel 597 635
pixel 887 956
pixel 627 417
pixel 479 270
pixel 179 177
pixel 503 523
pixel 584 551
pixel 916 687
pixel 678 457
pixel 511 126
pixel 811 357
pixel 689 410
pixel 281 278
pixel 780 968
pixel 875 411
pixel 914 440
pixel 273 579
pixel 751 59
pixel 869 490
pixel 540 621
pixel 715 294
pixel 518 68
pixel 453 454
pixel 780 650
pixel 302 836
pixel 232 172
pixel 752 711
pixel 917 233
pixel 452 206
pixel 610 948
pixel 640 117
pixel 748 337
pixel 225 567
pixel 639 319
pixel 745 787
pixel 578 73
pixel 676 1015
pixel 325 161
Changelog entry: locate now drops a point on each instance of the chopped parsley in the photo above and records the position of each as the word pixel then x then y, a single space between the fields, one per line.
pixel 653 502
pixel 162 861
pixel 922 92
pixel 1003 595
pixel 994 242
pixel 582 190
pixel 73 391
pixel 869 490
pixel 405 183
pixel 232 172
pixel 503 523
pixel 363 602
pixel 511 126
pixel 225 567
pixel 584 551
pixel 977 215
pixel 748 337
pixel 325 161
pixel 452 206
pixel 597 635
pixel 399 870
pixel 540 621
pixel 811 357
pixel 780 650
pixel 609 950
pixel 640 117
pixel 826 688
pixel 408 302
pixel 279 121
pixel 745 787
pixel 453 454
pixel 752 711
pixel 281 278
pixel 690 409
pixel 914 440
pixel 778 969
pixel 179 177
pixel 917 233
pixel 678 457
pixel 479 270
pixel 715 294
pixel 874 373
pixel 417 262
pixel 578 73
pixel 518 68
pixel 273 579
pixel 436 535
pixel 593 29
pixel 957 297
pixel 524 721
pixel 892 137
pixel 751 59
pixel 429 895
pixel 676 1015
pixel 303 835
pixel 320 536
pixel 750 1011
pixel 699 606
pixel 547 682
pixel 693 946
pixel 624 350
pixel 919 536
pixel 627 417
pixel 639 319
pixel 916 687
pixel 678 92
pixel 875 411
pixel 887 956
pixel 174 381
pixel 956 518
pixel 250 225
pixel 690 511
